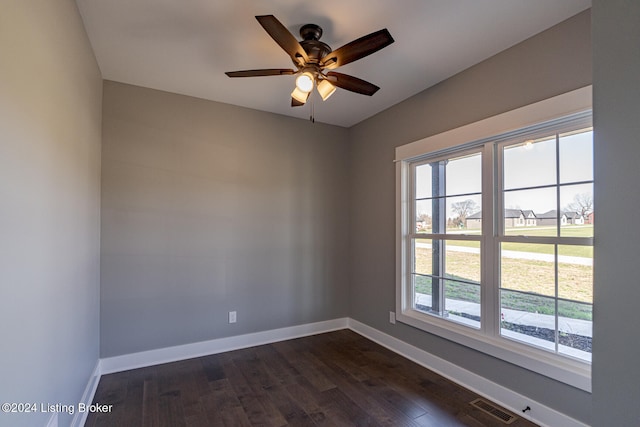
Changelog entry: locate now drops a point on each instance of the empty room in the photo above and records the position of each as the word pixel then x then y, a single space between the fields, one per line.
pixel 219 213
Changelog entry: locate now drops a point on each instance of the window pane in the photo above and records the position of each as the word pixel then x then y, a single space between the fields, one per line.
pixel 463 260
pixel 528 267
pixel 428 263
pixel 530 212
pixel 459 209
pixel 462 302
pixel 576 156
pixel 423 256
pixel 423 181
pixel 422 293
pixel 575 325
pixel 464 175
pixel 575 273
pixel 424 217
pixel 473 223
pixel 435 263
pixel 528 318
pixel 577 203
pixel 530 164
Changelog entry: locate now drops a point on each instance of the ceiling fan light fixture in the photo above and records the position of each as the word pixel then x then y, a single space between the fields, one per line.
pixel 299 95
pixel 312 57
pixel 325 89
pixel 304 82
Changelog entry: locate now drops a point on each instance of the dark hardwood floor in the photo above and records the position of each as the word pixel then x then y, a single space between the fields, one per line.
pixel 333 379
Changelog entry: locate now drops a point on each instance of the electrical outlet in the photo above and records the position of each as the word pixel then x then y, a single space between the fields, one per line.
pixel 232 317
pixel 392 317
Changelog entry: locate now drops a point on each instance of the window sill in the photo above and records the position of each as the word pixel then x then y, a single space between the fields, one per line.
pixel 569 371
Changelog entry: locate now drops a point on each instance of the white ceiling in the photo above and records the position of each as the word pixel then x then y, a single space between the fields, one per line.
pixel 185 46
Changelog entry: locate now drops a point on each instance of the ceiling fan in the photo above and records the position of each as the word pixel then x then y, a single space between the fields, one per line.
pixel 312 58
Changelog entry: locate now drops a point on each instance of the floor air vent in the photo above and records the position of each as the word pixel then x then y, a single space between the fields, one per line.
pixel 493 410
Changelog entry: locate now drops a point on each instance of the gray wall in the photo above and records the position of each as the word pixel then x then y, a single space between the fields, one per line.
pixel 553 62
pixel 50 115
pixel 208 208
pixel 616 337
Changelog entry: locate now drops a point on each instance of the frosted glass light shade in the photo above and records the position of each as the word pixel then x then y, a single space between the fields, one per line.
pixel 325 89
pixel 299 95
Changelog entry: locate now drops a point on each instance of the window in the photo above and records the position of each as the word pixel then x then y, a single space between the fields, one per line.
pixel 545 269
pixel 445 259
pixel 495 236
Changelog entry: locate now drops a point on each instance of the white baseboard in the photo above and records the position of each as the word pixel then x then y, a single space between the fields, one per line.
pixel 80 418
pixel 188 351
pixel 539 413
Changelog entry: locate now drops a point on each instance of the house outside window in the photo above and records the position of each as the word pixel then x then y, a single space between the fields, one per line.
pixel 495 242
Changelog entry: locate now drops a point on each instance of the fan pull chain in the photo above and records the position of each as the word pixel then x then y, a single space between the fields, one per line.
pixel 312 117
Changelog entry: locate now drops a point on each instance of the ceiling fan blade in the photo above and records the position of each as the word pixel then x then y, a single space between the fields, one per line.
pixel 353 84
pixel 296 103
pixel 284 38
pixel 357 49
pixel 258 73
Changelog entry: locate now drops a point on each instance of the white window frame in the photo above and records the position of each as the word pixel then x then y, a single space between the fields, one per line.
pixel 556 110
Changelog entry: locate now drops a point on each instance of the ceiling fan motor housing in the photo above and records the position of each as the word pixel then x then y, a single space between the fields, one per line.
pixel 310 32
pixel 311 43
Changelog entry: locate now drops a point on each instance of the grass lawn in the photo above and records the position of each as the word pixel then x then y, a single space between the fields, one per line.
pixel 511 300
pixel 574 282
pixel 565 231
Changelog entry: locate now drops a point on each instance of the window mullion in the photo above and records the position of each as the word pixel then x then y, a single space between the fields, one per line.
pixel 450 236
pixel 489 290
pixel 555 247
pixel 548 240
pixel 439 224
pixel 557 319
